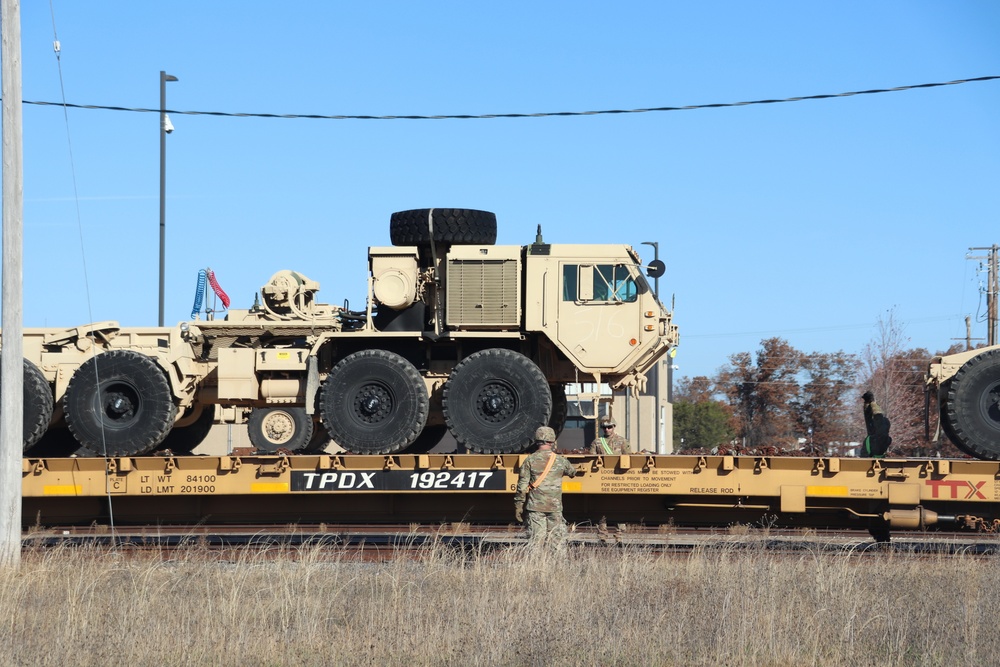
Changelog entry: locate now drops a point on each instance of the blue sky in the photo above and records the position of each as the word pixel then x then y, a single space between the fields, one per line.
pixel 807 220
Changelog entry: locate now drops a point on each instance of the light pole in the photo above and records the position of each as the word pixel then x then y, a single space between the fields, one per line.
pixel 165 128
pixel 656 258
pixel 656 369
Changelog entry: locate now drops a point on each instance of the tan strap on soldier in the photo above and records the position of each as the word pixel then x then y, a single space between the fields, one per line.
pixel 548 466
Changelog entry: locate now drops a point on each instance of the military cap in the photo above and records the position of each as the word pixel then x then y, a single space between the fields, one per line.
pixel 545 434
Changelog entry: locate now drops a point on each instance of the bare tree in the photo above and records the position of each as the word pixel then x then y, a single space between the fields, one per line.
pixel 895 374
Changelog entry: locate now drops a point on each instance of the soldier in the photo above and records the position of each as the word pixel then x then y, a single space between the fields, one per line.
pixel 877 425
pixel 609 442
pixel 539 491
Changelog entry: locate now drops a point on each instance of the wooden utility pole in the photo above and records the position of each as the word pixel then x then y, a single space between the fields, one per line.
pixel 11 354
pixel 992 290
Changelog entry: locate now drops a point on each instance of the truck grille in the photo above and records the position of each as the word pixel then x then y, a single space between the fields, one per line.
pixel 483 293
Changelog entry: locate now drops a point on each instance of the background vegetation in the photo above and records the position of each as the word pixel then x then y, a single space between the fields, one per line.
pixel 782 400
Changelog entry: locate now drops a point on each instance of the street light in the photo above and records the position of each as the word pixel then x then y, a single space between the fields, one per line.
pixel 656 369
pixel 656 258
pixel 165 129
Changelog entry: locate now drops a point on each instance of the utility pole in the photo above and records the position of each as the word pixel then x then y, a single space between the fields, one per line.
pixel 165 129
pixel 992 289
pixel 11 354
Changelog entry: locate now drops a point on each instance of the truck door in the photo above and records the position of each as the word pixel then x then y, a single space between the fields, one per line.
pixel 600 315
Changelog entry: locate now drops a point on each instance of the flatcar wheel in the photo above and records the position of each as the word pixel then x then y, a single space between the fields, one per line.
pixel 119 404
pixel 494 401
pixel 271 429
pixel 374 402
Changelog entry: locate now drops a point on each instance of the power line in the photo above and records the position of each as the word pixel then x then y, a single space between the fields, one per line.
pixel 547 114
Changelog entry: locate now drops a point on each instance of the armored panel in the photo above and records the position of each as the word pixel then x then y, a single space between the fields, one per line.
pixel 483 287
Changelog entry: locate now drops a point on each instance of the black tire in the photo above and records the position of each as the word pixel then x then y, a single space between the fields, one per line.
pixel 374 402
pixel 946 426
pixel 451 225
pixel 320 439
pixel 428 439
pixel 271 429
pixel 183 439
pixel 119 404
pixel 494 401
pixel 560 408
pixel 971 411
pixel 37 405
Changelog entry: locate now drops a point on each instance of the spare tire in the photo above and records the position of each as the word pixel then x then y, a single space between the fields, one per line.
pixel 450 225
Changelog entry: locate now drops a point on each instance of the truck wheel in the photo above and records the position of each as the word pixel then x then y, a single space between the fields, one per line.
pixel 494 401
pixel 320 439
pixel 428 439
pixel 374 402
pixel 119 404
pixel 451 225
pixel 183 439
pixel 271 429
pixel 971 414
pixel 37 405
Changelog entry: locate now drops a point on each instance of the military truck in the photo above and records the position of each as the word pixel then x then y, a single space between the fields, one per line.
pixel 967 389
pixel 458 335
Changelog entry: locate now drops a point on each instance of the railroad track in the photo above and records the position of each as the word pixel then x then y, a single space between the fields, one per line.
pixel 383 542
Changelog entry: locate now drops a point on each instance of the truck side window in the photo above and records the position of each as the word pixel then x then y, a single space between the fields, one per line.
pixel 612 282
pixel 569 282
pixel 609 282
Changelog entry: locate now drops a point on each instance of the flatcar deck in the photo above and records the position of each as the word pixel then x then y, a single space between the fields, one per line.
pixel 473 488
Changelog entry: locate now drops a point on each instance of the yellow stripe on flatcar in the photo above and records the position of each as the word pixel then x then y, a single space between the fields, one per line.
pixel 62 489
pixel 269 487
pixel 573 486
pixel 826 490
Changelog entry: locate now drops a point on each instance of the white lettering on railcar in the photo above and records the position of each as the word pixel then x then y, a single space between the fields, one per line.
pixel 326 481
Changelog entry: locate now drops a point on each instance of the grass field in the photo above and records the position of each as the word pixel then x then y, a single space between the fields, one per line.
pixel 714 606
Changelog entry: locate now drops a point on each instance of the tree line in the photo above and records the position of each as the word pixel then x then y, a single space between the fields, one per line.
pixel 782 400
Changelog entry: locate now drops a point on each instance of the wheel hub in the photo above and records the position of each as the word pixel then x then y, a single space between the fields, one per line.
pixel 373 404
pixel 118 406
pixel 990 404
pixel 278 427
pixel 496 403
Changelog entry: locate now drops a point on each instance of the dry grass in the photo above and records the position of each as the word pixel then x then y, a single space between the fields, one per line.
pixel 717 606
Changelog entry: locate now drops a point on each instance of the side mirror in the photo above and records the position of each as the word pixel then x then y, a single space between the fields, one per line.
pixel 656 268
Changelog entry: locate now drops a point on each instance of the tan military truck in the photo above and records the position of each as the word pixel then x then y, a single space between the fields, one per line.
pixel 458 334
pixel 967 389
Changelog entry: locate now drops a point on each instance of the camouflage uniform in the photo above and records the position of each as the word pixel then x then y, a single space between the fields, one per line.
pixel 609 443
pixel 544 518
pixel 616 444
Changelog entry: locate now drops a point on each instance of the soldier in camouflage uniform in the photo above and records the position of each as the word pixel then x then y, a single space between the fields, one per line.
pixel 539 491
pixel 609 442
